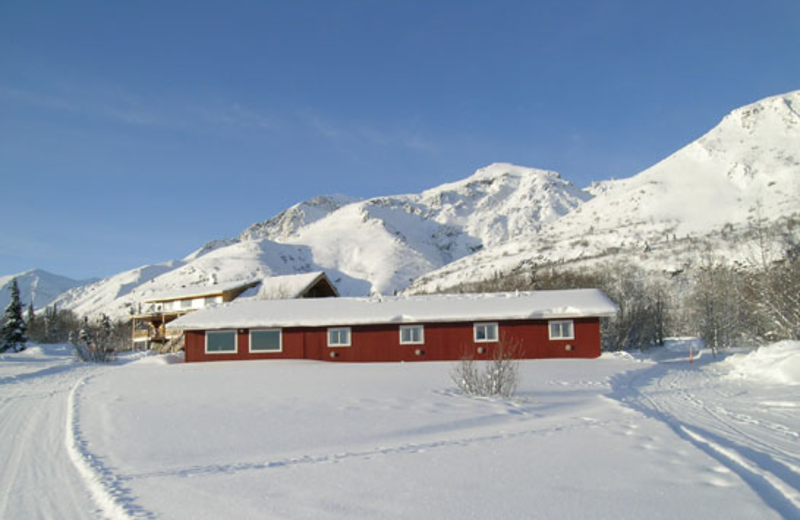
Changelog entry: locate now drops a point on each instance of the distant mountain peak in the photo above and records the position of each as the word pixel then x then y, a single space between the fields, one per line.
pixel 37 286
pixel 783 109
pixel 288 222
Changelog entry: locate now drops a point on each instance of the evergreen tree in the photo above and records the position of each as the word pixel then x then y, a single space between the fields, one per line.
pixel 51 329
pixel 85 334
pixel 34 324
pixel 13 335
pixel 104 334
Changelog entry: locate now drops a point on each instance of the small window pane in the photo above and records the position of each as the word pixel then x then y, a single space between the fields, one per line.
pixel 491 332
pixel 265 340
pixel 485 332
pixel 339 337
pixel 186 304
pixel 221 341
pixel 562 330
pixel 412 334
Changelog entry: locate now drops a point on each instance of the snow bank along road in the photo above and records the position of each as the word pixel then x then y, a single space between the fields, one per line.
pixel 608 438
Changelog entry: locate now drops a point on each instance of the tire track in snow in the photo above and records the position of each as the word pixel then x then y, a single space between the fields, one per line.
pixel 733 422
pixel 762 467
pixel 106 489
pixel 37 477
pixel 783 497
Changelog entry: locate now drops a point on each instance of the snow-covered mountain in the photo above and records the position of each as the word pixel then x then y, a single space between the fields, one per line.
pixel 288 222
pixel 746 168
pixel 503 217
pixel 381 244
pixel 37 286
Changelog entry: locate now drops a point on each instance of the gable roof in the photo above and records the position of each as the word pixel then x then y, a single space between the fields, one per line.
pixel 322 312
pixel 288 286
pixel 199 291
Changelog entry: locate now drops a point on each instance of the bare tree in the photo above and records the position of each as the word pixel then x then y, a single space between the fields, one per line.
pixel 498 376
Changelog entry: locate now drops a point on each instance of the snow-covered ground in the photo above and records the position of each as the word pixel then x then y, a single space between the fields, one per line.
pixel 617 437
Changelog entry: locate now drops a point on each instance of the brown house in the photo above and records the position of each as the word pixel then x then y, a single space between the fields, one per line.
pixel 150 323
pixel 542 324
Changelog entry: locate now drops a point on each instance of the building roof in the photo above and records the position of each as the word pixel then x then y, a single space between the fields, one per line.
pixel 199 291
pixel 322 312
pixel 287 286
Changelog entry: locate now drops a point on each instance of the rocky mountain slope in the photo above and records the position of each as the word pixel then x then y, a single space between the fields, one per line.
pixel 745 169
pixel 376 245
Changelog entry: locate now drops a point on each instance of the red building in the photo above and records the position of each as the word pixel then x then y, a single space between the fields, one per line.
pixel 539 324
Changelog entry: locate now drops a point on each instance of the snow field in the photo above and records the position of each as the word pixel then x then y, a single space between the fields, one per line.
pixel 302 439
pixel 623 436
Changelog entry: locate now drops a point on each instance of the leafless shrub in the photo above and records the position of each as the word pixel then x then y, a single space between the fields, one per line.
pixel 498 376
pixel 94 347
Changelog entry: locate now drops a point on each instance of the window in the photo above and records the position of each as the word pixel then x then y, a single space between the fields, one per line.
pixel 209 300
pixel 412 335
pixel 562 330
pixel 221 342
pixel 266 340
pixel 168 306
pixel 339 337
pixel 186 304
pixel 485 332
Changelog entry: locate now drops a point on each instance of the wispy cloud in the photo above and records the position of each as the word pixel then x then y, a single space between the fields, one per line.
pixel 365 134
pixel 235 115
pixel 110 104
pixel 36 99
pixel 120 106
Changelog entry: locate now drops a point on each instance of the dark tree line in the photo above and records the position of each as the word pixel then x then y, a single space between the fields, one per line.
pixel 94 340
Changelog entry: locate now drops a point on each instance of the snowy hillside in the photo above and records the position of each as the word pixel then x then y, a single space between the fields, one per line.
pixel 747 167
pixel 237 262
pixel 37 286
pixel 380 244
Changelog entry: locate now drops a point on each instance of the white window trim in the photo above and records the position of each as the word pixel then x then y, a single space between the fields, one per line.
pixel 349 337
pixel 550 330
pixel 421 334
pixel 485 324
pixel 235 342
pixel 250 341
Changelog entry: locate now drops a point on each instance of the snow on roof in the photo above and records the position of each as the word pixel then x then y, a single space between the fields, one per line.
pixel 283 287
pixel 321 312
pixel 198 290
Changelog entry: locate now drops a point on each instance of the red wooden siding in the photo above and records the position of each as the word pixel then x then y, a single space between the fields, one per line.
pixel 443 342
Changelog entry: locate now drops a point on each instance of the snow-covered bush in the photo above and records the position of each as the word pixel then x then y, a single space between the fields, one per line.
pixel 91 347
pixel 498 376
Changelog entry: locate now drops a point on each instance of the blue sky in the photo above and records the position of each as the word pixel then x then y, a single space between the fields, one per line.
pixel 134 132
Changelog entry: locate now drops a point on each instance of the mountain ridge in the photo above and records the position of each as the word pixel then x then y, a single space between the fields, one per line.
pixel 504 216
pixel 745 169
